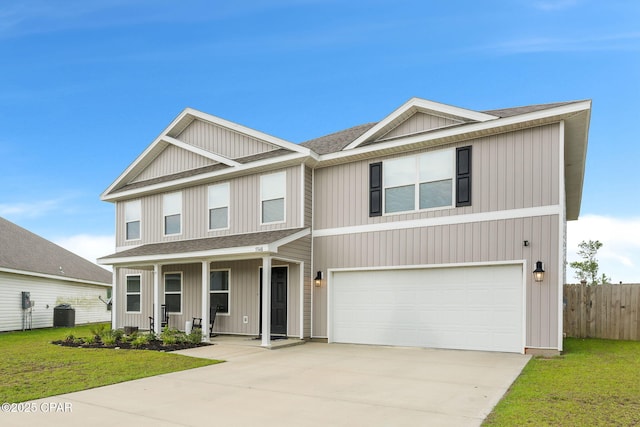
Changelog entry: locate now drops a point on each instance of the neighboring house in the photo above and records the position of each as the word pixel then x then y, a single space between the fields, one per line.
pixel 52 276
pixel 423 229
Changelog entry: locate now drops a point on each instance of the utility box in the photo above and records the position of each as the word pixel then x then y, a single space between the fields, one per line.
pixel 26 300
pixel 64 315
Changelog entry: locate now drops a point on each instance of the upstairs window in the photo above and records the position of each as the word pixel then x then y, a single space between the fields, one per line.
pixel 272 196
pixel 219 206
pixel 219 290
pixel 172 211
pixel 132 215
pixel 420 182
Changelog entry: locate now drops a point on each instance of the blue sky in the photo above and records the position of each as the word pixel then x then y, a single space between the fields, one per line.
pixel 85 86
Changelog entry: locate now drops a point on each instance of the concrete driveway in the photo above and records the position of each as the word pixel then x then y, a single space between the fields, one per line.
pixel 307 385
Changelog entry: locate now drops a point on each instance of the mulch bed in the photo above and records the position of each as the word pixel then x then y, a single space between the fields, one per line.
pixel 152 345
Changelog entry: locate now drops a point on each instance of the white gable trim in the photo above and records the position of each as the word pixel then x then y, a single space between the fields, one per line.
pixel 502 124
pixel 258 166
pixel 200 151
pixel 247 131
pixel 423 106
pixel 189 114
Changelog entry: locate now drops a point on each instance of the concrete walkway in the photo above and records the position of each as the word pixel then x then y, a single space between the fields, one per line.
pixel 313 384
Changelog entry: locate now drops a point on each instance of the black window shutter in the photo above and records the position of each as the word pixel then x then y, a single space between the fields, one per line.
pixel 375 189
pixel 463 176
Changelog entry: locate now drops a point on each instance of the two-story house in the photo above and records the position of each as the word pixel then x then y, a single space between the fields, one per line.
pixel 437 226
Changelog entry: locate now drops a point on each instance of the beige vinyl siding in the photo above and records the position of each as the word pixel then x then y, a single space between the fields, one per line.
pixel 419 122
pixel 308 197
pixel 141 320
pixel 244 298
pixel 244 211
pixel 509 171
pixel 173 160
pixel 46 294
pixel 222 141
pixel 299 250
pixel 478 242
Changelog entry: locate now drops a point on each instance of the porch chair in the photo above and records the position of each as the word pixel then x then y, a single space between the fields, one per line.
pixel 165 318
pixel 197 321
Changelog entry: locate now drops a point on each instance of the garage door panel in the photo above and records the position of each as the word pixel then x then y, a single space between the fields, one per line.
pixel 466 308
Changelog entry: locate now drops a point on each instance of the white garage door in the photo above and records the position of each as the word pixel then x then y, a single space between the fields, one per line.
pixel 472 308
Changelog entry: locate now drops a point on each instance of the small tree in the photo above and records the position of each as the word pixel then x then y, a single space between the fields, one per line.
pixel 587 269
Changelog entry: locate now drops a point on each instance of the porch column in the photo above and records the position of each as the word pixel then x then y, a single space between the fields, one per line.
pixel 157 320
pixel 205 301
pixel 266 301
pixel 114 302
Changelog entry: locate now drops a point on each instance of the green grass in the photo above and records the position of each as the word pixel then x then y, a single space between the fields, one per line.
pixel 594 383
pixel 32 368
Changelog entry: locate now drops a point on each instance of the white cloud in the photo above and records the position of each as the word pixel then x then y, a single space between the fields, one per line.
pixel 28 210
pixel 589 43
pixel 619 257
pixel 87 246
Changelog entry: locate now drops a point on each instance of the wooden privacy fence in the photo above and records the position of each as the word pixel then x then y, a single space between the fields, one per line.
pixel 602 311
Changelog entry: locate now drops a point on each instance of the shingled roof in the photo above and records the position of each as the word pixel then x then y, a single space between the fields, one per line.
pixel 335 142
pixel 24 251
pixel 206 244
pixel 338 140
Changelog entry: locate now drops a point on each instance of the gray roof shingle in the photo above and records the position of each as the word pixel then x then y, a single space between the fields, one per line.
pixel 515 111
pixel 22 250
pixel 338 140
pixel 210 243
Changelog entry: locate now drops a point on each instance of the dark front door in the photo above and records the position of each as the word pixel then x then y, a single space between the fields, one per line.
pixel 278 301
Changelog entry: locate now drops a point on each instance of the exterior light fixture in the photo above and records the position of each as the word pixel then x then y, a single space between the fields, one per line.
pixel 538 273
pixel 318 279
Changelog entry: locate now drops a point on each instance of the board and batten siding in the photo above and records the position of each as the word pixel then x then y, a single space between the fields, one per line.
pixel 244 211
pixel 46 294
pixel 476 242
pixel 141 319
pixel 222 141
pixel 244 296
pixel 300 250
pixel 419 122
pixel 510 171
pixel 172 160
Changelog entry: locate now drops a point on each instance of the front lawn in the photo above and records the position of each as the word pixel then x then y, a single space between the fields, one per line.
pixel 32 368
pixel 594 383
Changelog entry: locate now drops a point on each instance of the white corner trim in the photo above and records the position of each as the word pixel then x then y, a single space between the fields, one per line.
pixel 443 220
pixel 562 223
pixel 199 151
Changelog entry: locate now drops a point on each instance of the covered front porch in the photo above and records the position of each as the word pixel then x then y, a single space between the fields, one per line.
pixel 228 280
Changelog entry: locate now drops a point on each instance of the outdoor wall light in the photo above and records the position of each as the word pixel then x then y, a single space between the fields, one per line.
pixel 538 273
pixel 318 279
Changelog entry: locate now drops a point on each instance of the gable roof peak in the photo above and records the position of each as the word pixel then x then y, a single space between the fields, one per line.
pixel 418 105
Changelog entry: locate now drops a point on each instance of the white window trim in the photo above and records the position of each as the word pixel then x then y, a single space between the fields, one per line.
pixel 416 188
pixel 165 215
pixel 228 292
pixel 127 293
pixel 228 206
pixel 164 285
pixel 128 203
pixel 284 199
